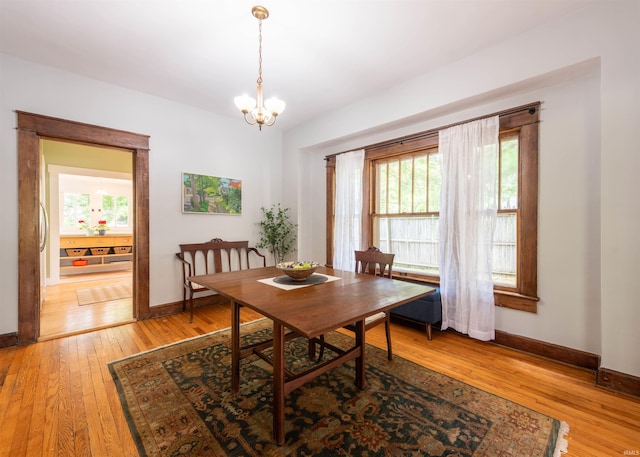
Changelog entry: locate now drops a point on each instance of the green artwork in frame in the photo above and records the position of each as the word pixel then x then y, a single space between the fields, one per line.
pixel 203 194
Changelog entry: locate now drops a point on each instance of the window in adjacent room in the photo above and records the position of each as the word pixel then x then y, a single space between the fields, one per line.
pixel 75 207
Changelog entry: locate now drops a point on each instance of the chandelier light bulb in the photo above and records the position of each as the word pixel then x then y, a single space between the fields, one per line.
pixel 244 103
pixel 275 106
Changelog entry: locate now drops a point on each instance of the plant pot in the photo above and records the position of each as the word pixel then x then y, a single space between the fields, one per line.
pixel 89 232
pixel 101 232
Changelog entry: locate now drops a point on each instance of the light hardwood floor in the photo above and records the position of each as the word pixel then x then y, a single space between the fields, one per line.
pixel 57 397
pixel 60 314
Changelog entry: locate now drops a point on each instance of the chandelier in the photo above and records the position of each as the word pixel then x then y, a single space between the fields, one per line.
pixel 261 113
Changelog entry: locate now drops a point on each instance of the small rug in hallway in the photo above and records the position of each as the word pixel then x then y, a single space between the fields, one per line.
pixel 177 401
pixel 102 294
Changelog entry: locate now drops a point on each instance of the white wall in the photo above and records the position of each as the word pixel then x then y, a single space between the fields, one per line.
pixel 585 68
pixel 181 139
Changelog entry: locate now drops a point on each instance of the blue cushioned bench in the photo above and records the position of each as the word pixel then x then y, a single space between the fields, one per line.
pixel 425 311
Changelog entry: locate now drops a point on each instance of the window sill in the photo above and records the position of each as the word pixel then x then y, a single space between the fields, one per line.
pixel 503 298
pixel 514 300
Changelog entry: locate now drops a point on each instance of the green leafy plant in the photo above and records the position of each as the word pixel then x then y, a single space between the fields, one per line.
pixel 277 232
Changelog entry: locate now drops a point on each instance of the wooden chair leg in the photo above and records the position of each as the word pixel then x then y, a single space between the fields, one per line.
pixel 190 307
pixel 387 329
pixel 429 331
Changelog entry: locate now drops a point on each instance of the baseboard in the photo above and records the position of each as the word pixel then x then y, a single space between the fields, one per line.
pixel 605 378
pixel 8 339
pixel 176 307
pixel 618 382
pixel 552 351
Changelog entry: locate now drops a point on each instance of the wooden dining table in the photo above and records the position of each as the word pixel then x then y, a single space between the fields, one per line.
pixel 309 311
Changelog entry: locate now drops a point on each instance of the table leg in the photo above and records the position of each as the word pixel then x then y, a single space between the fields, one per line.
pixel 312 349
pixel 361 380
pixel 235 347
pixel 278 383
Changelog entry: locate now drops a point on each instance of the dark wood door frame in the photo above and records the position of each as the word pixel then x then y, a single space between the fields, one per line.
pixel 31 129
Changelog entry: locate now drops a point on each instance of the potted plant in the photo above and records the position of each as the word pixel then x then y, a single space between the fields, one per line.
pixel 101 227
pixel 85 227
pixel 277 232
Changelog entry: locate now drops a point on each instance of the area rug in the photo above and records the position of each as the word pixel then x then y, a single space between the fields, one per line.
pixel 103 294
pixel 177 401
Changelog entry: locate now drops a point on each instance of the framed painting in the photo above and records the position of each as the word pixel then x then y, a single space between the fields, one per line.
pixel 202 194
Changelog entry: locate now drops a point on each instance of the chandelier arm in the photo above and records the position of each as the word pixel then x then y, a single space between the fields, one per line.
pixel 271 121
pixel 249 119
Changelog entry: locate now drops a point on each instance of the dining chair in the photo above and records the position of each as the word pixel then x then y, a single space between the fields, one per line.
pixel 377 263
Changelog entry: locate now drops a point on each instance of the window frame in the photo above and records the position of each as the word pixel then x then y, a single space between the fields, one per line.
pixel 523 119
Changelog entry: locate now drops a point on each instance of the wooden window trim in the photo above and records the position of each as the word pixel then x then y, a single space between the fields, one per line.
pixel 525 118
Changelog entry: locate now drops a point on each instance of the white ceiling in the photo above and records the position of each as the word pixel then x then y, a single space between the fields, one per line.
pixel 318 54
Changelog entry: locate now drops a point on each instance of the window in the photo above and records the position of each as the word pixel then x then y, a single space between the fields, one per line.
pixel 115 210
pixel 403 194
pixel 407 201
pixel 75 207
pixel 92 208
pixel 407 204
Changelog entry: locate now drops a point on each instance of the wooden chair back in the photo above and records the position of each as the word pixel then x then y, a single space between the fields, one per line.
pixel 216 256
pixel 374 262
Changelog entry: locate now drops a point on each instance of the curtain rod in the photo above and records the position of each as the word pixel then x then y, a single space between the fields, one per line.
pixel 530 108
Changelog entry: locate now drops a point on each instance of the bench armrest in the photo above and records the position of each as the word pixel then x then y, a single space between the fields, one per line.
pixel 186 266
pixel 254 250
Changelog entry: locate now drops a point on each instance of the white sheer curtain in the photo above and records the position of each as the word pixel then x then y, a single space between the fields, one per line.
pixel 468 212
pixel 347 231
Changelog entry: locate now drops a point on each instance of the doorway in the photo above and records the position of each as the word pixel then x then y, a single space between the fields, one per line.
pixel 32 129
pixel 87 274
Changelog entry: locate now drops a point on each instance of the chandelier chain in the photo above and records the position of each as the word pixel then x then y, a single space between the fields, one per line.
pixel 259 51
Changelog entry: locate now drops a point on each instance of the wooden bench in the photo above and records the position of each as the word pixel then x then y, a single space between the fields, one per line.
pixel 215 256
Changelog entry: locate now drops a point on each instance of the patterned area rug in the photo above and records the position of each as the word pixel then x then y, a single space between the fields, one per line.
pixel 102 294
pixel 177 401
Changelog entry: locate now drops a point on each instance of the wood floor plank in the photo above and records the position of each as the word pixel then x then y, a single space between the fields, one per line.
pixel 77 407
pixel 97 444
pixel 51 411
pixel 58 397
pixel 66 442
pixel 38 421
pixel 27 393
